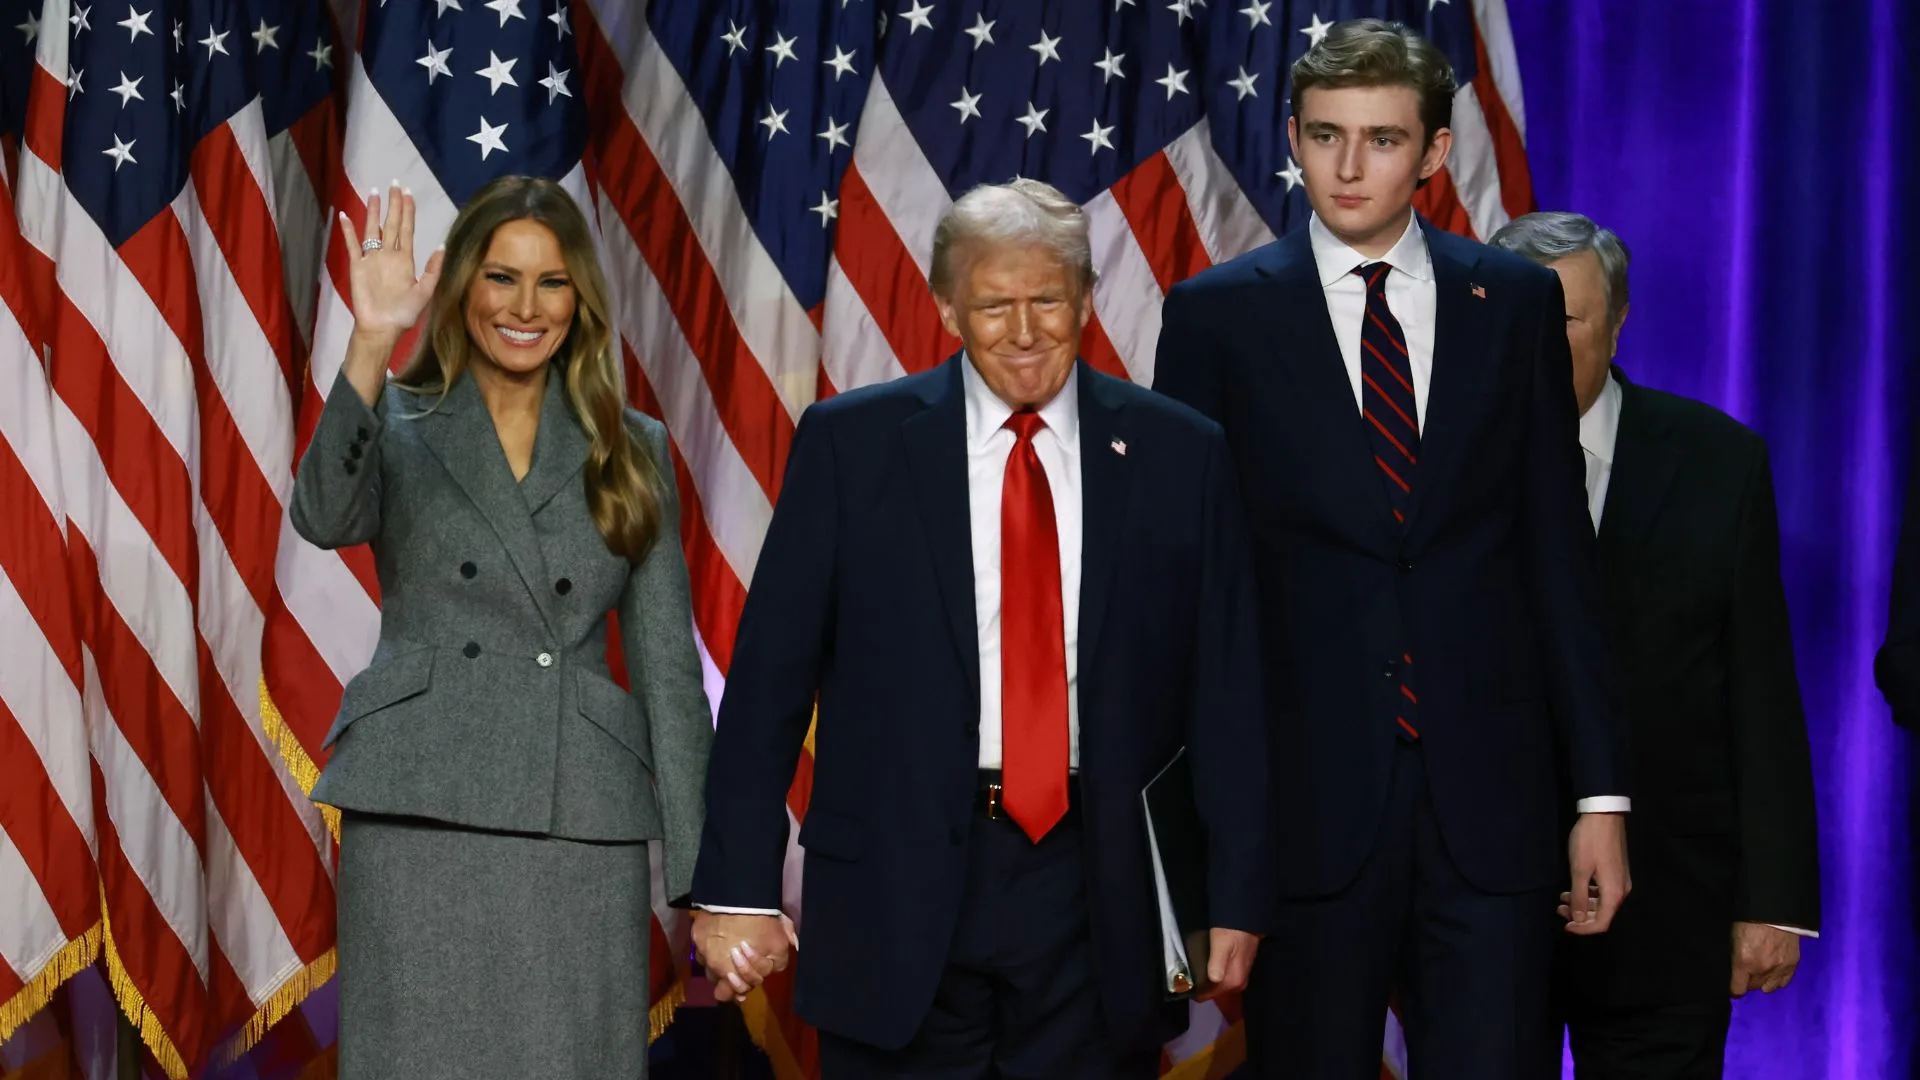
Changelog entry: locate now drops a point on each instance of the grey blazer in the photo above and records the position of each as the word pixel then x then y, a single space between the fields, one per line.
pixel 488 702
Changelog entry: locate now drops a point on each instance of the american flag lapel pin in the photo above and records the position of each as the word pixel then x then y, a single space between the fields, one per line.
pixel 1480 291
pixel 1118 447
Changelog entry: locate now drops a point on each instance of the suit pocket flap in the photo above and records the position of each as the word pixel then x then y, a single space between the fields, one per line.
pixel 832 835
pixel 613 711
pixel 387 681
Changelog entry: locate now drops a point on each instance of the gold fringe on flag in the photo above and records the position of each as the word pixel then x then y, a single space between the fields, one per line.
pixel 275 1009
pixel 131 1003
pixel 73 958
pixel 660 1015
pixel 305 772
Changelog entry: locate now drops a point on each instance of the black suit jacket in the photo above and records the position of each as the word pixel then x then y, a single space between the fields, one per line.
pixel 1723 826
pixel 1491 587
pixel 863 598
pixel 1897 666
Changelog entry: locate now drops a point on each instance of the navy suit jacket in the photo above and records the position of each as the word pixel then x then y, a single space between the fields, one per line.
pixel 863 599
pixel 1491 587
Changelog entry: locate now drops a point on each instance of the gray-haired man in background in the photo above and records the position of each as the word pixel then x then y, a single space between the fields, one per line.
pixel 1725 861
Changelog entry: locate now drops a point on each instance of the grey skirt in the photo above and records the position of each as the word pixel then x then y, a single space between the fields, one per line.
pixel 471 955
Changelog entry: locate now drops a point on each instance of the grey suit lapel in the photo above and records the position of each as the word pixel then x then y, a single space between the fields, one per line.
pixel 559 450
pixel 461 434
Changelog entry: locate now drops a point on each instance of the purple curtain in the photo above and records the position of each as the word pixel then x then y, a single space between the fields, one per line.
pixel 1759 156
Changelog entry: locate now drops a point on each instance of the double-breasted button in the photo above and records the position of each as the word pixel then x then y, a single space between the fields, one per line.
pixel 362 434
pixel 355 450
pixel 544 659
pixel 563 586
pixel 350 466
pixel 467 570
pixel 472 650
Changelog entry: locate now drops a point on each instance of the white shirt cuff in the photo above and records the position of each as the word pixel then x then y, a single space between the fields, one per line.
pixel 718 910
pixel 1796 931
pixel 1604 804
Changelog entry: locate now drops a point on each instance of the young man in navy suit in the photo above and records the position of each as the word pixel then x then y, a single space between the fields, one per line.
pixel 1400 409
pixel 1016 589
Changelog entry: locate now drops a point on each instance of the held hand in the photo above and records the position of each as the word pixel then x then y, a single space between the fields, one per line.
pixel 1229 961
pixel 740 951
pixel 387 297
pixel 1597 855
pixel 1764 958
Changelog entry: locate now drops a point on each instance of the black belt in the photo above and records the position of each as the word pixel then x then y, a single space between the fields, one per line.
pixel 989 795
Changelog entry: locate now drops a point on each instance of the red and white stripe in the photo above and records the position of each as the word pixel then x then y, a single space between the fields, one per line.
pixel 170 421
pixel 49 887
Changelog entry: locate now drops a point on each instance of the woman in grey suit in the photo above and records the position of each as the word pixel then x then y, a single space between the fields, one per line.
pixel 497 787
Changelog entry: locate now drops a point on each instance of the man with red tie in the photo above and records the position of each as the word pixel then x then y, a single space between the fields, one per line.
pixel 1016 588
pixel 1400 406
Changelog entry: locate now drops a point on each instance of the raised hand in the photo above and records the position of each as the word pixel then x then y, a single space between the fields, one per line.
pixel 387 296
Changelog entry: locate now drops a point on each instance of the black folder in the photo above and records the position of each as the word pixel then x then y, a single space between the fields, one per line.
pixel 1177 843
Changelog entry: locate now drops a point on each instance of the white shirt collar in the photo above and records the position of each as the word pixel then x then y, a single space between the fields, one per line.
pixel 987 414
pixel 1336 260
pixel 1600 427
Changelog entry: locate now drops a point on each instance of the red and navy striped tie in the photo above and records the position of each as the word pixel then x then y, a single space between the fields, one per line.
pixel 1387 403
pixel 1393 429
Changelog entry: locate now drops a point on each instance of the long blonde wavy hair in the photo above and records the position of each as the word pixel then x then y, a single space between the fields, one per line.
pixel 622 480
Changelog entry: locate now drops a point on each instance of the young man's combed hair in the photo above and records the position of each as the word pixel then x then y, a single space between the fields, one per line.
pixel 1374 52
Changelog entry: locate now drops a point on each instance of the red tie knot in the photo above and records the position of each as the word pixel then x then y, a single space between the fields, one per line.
pixel 1024 424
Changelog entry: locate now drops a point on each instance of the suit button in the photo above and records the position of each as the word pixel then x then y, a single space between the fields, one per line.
pixel 362 434
pixel 1390 668
pixel 350 466
pixel 354 450
pixel 1406 567
pixel 563 586
pixel 472 650
pixel 467 570
pixel 544 659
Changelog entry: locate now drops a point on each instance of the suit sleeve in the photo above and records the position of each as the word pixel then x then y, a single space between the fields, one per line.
pixel 778 658
pixel 336 489
pixel 1226 727
pixel 1773 772
pixel 1563 574
pixel 656 633
pixel 1185 368
pixel 1897 667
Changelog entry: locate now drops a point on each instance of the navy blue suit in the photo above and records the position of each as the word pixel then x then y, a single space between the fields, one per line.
pixel 863 598
pixel 1490 587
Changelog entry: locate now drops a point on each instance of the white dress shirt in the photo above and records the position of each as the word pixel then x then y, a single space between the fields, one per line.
pixel 1599 428
pixel 1413 297
pixel 989 444
pixel 1599 434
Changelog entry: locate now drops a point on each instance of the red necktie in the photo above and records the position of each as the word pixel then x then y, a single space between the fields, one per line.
pixel 1033 642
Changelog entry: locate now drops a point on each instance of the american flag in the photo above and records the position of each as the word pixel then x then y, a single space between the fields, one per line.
pixel 765 176
pixel 150 406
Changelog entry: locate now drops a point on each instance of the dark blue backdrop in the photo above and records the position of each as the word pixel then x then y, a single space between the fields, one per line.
pixel 1758 156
